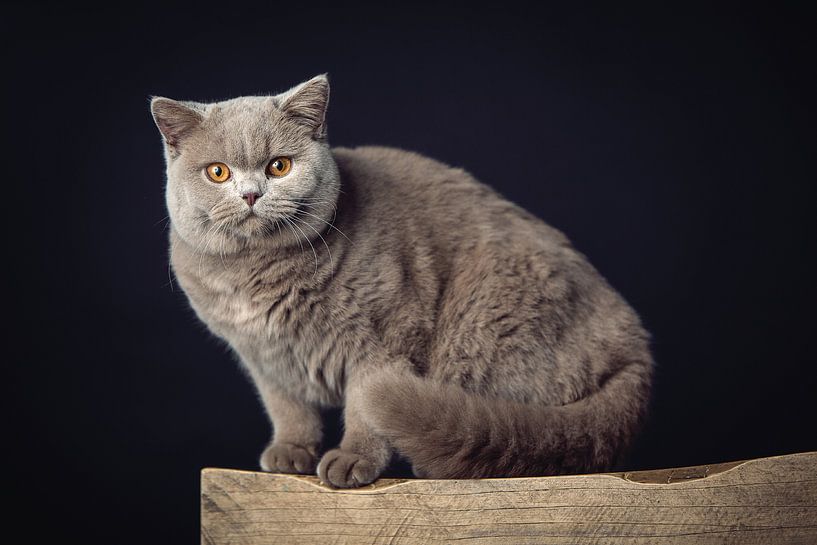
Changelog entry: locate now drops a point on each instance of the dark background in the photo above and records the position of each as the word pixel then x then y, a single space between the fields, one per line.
pixel 674 146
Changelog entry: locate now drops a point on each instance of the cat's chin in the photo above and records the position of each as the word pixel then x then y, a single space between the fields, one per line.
pixel 254 226
pixel 256 231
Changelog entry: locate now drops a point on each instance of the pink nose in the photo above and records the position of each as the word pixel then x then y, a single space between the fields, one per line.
pixel 250 198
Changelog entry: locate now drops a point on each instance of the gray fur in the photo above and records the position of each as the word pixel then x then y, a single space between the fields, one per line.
pixel 452 326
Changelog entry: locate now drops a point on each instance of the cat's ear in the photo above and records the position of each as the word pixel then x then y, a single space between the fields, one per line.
pixel 306 103
pixel 175 119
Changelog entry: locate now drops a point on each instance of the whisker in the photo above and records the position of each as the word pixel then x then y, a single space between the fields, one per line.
pixel 331 226
pixel 289 224
pixel 315 204
pixel 304 199
pixel 310 245
pixel 222 230
pixel 165 219
pixel 331 263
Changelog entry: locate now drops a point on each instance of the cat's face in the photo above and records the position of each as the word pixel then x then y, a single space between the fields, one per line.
pixel 249 172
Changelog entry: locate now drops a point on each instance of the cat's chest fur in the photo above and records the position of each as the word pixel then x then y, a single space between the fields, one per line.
pixel 252 307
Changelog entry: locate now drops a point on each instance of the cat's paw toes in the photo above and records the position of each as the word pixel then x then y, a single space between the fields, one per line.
pixel 287 458
pixel 345 469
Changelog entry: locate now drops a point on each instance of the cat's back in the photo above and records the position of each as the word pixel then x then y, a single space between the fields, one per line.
pixel 387 163
pixel 405 189
pixel 380 169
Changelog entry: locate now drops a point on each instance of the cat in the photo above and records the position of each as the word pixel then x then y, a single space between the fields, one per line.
pixel 455 329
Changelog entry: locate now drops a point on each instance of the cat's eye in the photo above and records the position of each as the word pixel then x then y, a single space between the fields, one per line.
pixel 218 172
pixel 279 166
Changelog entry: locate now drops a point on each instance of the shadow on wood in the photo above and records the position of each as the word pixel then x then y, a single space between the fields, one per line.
pixel 768 500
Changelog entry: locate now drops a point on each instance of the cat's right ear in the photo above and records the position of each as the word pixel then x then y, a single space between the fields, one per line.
pixel 174 119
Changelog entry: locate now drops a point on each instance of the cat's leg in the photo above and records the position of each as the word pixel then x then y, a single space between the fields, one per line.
pixel 297 433
pixel 362 454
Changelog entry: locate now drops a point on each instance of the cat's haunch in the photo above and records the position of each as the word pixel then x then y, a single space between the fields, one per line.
pixel 454 328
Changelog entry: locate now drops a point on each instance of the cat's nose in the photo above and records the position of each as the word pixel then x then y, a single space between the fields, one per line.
pixel 250 197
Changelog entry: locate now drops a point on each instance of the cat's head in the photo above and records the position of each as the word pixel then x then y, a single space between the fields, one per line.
pixel 249 172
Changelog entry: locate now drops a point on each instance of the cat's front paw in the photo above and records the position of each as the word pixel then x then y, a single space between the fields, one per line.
pixel 345 469
pixel 288 458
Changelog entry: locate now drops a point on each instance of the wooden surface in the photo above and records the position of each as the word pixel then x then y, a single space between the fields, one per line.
pixel 769 500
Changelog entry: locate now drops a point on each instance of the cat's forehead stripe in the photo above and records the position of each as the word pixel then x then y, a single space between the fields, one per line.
pixel 249 132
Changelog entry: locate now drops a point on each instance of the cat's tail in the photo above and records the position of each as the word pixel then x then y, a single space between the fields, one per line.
pixel 447 432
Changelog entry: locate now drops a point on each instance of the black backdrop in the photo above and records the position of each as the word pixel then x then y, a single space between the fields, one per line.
pixel 674 146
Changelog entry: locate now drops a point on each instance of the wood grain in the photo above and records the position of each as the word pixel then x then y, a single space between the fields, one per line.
pixel 768 500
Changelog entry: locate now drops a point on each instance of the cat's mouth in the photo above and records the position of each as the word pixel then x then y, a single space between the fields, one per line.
pixel 250 218
pixel 253 223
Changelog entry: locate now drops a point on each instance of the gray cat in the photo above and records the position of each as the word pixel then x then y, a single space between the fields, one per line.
pixel 453 327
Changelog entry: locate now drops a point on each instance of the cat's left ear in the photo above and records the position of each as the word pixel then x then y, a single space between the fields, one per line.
pixel 306 104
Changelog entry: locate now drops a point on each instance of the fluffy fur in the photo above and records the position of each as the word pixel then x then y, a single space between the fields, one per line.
pixel 453 327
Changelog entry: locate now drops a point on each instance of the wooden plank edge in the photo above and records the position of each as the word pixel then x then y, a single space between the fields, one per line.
pixel 665 477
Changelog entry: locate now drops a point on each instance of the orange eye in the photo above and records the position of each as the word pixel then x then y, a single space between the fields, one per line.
pixel 279 166
pixel 218 172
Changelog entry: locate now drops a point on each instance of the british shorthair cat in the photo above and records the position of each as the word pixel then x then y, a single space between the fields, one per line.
pixel 454 328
